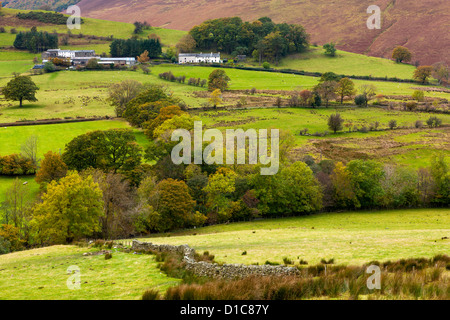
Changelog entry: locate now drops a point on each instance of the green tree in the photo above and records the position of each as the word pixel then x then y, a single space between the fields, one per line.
pixel 294 190
pixel 20 88
pixel 441 174
pixel 330 49
pixel 219 189
pixel 366 178
pixel 70 210
pixel 113 150
pixel 218 79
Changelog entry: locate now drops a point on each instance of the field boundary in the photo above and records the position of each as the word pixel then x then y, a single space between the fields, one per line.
pixel 52 121
pixel 214 270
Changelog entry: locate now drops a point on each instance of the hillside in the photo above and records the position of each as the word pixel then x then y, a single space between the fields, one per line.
pixel 419 25
pixel 57 5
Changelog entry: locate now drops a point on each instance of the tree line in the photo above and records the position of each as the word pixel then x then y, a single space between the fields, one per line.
pixel 262 38
pixel 135 47
pixel 103 186
pixel 35 41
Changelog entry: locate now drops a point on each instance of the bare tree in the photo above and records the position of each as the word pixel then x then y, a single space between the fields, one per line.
pixel 29 149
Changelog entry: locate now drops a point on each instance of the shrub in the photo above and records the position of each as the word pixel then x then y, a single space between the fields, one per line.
pixel 392 124
pixel 434 122
pixel 244 253
pixel 151 294
pixel 324 261
pixel 286 260
pixel 360 100
pixel 108 256
pixel 418 95
pixel 418 124
pixel 266 65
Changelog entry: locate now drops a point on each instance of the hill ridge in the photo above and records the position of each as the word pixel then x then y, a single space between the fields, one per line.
pixel 419 25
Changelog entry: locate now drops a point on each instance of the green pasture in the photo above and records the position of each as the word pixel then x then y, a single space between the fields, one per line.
pixel 101 28
pixel 348 237
pixel 348 63
pixel 42 274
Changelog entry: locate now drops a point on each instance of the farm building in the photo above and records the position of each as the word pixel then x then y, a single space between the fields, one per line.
pixel 199 57
pixel 82 57
pixel 58 53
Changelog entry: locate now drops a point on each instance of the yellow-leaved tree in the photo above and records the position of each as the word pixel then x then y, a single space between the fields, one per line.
pixel 69 210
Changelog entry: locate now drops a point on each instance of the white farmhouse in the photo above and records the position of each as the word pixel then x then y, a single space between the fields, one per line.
pixel 198 58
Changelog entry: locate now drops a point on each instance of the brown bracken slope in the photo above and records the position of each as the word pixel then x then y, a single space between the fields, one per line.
pixel 421 25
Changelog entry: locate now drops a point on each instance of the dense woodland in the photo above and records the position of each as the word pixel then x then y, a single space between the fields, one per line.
pixel 263 38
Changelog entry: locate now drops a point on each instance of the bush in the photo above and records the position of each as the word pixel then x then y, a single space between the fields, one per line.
pixel 266 65
pixel 151 294
pixel 434 122
pixel 360 100
pixel 108 256
pixel 5 246
pixel 392 124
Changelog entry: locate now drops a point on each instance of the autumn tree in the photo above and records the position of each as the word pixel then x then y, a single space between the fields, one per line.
pixel 367 92
pixel 216 98
pixel 218 79
pixel 119 94
pixel 52 168
pixel 70 210
pixel 440 72
pixel 20 88
pixel 421 74
pixel 118 203
pixel 327 91
pixel 144 58
pixel 401 54
pixel 186 44
pixel 345 88
pixel 343 193
pixel 335 122
pixel 173 205
pixel 165 113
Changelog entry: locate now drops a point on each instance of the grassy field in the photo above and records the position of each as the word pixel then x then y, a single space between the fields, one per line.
pixel 349 237
pixel 42 274
pixel 410 147
pixel 102 28
pixel 51 137
pixel 347 63
pixel 72 93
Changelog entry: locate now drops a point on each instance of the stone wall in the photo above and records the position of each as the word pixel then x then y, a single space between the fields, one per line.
pixel 214 270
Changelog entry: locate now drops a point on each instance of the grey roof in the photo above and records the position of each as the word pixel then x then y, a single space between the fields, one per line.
pixel 200 55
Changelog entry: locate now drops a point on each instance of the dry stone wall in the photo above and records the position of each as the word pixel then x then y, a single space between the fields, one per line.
pixel 214 270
